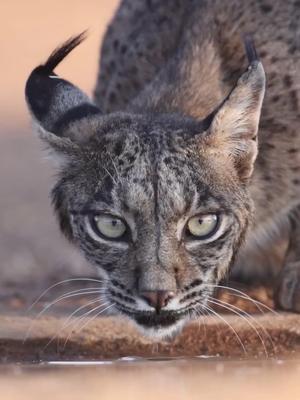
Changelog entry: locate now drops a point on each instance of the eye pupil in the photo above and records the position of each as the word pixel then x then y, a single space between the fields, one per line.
pixel 108 226
pixel 202 227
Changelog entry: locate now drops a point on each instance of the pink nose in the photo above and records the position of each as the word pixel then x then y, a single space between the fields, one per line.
pixel 157 299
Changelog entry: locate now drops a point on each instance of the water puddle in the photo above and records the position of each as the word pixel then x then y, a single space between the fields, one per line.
pixel 159 378
pixel 126 360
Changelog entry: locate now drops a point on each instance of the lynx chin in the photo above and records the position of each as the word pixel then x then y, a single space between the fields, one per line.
pixel 181 167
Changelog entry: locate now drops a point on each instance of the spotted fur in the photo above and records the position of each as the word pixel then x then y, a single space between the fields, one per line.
pixel 172 133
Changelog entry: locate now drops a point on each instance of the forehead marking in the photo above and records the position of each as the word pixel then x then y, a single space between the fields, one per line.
pixel 154 155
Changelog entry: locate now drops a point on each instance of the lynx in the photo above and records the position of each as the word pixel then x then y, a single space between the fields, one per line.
pixel 181 164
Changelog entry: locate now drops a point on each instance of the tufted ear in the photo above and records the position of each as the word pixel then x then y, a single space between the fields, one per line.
pixel 56 103
pixel 233 130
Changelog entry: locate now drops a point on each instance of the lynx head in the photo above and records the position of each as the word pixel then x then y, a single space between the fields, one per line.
pixel 158 203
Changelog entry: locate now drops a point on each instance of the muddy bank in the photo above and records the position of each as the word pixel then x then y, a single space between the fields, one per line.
pixel 60 333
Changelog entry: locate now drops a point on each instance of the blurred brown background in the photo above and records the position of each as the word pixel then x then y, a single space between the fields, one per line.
pixel 32 251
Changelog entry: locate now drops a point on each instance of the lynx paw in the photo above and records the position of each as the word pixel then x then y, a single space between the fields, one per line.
pixel 288 290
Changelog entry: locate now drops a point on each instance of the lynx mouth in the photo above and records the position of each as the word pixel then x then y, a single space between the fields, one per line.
pixel 149 319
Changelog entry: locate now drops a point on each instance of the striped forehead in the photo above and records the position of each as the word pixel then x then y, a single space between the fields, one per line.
pixel 167 184
pixel 143 174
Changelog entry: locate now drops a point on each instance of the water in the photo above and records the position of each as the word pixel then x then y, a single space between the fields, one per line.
pixel 123 360
pixel 162 379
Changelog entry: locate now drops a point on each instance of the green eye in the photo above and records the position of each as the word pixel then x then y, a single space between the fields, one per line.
pixel 109 226
pixel 202 226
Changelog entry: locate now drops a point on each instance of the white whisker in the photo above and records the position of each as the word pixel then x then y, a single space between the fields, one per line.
pixel 90 319
pixel 228 324
pixel 200 315
pixel 114 165
pixel 61 283
pixel 108 173
pixel 65 324
pixel 80 319
pixel 243 295
pixel 57 300
pixel 239 312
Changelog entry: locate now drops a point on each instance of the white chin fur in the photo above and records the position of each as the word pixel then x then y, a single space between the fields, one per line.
pixel 162 333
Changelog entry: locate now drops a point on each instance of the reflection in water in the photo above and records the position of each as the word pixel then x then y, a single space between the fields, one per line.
pixel 126 360
pixel 137 378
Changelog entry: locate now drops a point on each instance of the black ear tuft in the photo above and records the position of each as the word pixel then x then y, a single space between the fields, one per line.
pixel 55 102
pixel 250 48
pixel 61 52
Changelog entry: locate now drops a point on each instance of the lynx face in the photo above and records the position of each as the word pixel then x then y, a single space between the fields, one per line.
pixel 158 203
pixel 154 215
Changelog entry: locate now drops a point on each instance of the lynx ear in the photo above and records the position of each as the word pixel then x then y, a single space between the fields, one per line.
pixel 234 127
pixel 54 102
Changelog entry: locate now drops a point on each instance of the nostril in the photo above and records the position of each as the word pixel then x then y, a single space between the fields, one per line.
pixel 150 297
pixel 157 299
pixel 165 297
